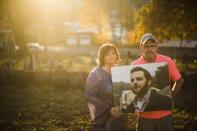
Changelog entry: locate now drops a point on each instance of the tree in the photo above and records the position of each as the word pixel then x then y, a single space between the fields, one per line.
pixel 124 15
pixel 93 16
pixel 161 78
pixel 113 13
pixel 169 19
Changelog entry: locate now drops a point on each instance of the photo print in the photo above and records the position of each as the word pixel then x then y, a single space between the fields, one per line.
pixel 141 88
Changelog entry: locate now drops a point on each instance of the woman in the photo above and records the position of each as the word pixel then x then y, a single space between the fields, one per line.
pixel 99 92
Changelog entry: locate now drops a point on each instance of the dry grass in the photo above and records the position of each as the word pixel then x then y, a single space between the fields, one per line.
pixel 49 108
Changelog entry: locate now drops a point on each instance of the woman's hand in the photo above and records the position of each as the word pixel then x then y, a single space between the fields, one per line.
pixel 114 112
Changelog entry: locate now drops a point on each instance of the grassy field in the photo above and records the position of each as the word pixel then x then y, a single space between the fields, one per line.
pixel 43 108
pixel 48 108
pixel 52 108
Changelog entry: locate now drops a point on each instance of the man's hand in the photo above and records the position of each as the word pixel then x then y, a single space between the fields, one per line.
pixel 114 112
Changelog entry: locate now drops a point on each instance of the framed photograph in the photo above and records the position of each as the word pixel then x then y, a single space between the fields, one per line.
pixel 141 88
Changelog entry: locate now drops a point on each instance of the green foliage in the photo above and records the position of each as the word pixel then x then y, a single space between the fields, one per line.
pixel 169 21
pixel 161 78
pixel 187 68
pixel 183 120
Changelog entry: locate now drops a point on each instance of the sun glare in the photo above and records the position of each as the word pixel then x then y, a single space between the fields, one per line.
pixel 46 10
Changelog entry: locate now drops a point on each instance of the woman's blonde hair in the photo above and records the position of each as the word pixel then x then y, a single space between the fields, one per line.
pixel 102 52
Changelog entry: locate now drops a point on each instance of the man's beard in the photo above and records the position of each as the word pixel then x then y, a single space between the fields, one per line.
pixel 143 91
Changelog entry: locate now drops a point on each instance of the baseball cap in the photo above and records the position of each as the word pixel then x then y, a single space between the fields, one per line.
pixel 146 37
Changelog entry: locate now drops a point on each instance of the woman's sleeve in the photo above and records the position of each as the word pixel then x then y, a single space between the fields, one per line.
pixel 92 85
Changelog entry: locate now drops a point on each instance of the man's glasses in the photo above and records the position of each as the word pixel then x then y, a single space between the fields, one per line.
pixel 149 46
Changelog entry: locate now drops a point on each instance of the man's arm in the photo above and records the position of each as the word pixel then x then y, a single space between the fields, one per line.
pixel 177 86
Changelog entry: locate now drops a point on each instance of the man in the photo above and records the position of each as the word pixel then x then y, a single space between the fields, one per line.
pixel 157 120
pixel 146 99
